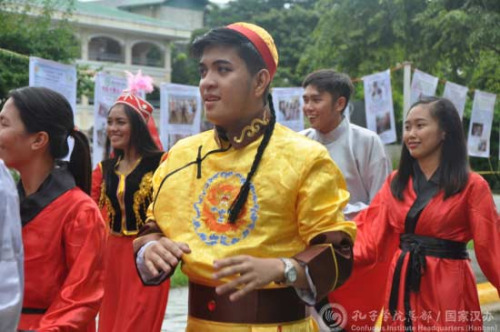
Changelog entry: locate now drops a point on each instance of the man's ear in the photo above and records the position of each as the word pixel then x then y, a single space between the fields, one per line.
pixel 40 140
pixel 261 81
pixel 340 104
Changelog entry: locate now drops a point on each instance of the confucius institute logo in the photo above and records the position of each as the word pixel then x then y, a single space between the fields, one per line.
pixel 334 316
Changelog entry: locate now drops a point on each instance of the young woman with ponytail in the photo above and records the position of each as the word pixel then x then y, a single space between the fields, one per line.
pixel 252 209
pixel 63 231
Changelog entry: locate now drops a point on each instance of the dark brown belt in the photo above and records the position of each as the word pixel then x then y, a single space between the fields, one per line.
pixel 262 306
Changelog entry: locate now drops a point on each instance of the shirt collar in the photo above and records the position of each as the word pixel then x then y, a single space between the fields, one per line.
pixel 57 183
pixel 417 172
pixel 333 135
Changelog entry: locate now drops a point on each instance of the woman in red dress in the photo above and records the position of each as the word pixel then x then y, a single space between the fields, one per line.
pixel 423 217
pixel 63 232
pixel 122 187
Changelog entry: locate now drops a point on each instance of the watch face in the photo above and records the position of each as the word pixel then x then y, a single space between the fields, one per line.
pixel 292 275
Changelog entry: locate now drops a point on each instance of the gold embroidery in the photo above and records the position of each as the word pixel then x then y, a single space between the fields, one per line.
pixel 142 197
pixel 252 129
pixel 105 202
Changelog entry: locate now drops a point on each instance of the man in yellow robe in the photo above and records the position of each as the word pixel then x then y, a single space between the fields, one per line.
pixel 252 209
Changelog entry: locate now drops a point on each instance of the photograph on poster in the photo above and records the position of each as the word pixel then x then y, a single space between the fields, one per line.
pixel 477 129
pixel 383 121
pixel 103 110
pixel 101 135
pixel 376 91
pixel 182 109
pixel 290 108
pixel 483 144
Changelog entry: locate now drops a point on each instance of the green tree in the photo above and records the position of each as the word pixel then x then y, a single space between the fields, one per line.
pixel 37 35
pixel 462 38
pixel 289 22
pixel 360 36
pixel 184 67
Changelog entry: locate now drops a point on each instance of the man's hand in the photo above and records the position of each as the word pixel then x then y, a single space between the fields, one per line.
pixel 164 255
pixel 249 273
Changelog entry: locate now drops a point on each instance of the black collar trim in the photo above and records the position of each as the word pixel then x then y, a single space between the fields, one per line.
pixel 57 183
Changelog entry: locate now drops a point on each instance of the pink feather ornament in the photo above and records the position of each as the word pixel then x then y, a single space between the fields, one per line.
pixel 139 82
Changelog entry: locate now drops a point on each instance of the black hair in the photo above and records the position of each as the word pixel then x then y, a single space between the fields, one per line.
pixel 42 109
pixel 254 63
pixel 454 165
pixel 227 37
pixel 240 200
pixel 327 80
pixel 140 137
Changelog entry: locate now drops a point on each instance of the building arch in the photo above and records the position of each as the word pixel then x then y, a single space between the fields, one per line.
pixel 146 53
pixel 105 48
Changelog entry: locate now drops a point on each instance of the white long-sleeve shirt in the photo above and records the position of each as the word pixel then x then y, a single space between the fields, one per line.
pixel 11 253
pixel 360 155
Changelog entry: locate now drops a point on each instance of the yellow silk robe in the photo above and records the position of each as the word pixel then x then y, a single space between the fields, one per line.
pixel 297 193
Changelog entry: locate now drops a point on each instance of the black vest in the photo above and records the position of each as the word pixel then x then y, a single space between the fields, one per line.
pixel 138 194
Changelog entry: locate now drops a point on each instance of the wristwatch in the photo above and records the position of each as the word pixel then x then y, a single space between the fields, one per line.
pixel 290 271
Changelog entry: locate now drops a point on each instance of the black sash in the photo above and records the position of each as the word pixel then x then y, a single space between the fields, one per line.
pixel 418 247
pixel 33 311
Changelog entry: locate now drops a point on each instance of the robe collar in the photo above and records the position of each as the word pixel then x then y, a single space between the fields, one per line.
pixel 419 176
pixel 57 183
pixel 333 135
pixel 245 134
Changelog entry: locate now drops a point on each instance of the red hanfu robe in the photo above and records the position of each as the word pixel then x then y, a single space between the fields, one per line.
pixel 63 260
pixel 448 294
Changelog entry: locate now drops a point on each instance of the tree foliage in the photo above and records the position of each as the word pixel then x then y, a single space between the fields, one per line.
pixel 289 22
pixel 23 34
pixel 456 40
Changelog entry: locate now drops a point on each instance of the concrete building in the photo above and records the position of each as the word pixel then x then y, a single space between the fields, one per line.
pixel 119 35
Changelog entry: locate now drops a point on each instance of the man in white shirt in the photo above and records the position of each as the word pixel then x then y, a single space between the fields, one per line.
pixel 11 253
pixel 357 151
pixel 360 155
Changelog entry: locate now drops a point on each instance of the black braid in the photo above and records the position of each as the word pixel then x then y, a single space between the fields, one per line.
pixel 240 200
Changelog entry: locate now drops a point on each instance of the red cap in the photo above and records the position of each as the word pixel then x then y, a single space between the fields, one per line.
pixel 262 41
pixel 141 106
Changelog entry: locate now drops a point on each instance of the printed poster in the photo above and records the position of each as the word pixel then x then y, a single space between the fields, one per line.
pixel 180 113
pixel 55 76
pixel 107 89
pixel 457 94
pixel 422 85
pixel 288 105
pixel 480 124
pixel 379 107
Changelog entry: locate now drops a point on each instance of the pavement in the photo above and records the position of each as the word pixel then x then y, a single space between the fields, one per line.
pixel 176 314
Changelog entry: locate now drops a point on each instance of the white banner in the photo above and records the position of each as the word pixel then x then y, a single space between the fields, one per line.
pixel 288 104
pixel 180 112
pixel 107 89
pixel 55 76
pixel 422 85
pixel 457 94
pixel 379 107
pixel 480 124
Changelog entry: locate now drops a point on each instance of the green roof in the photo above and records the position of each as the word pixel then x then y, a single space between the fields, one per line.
pixel 97 9
pixel 100 10
pixel 131 3
pixel 188 4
